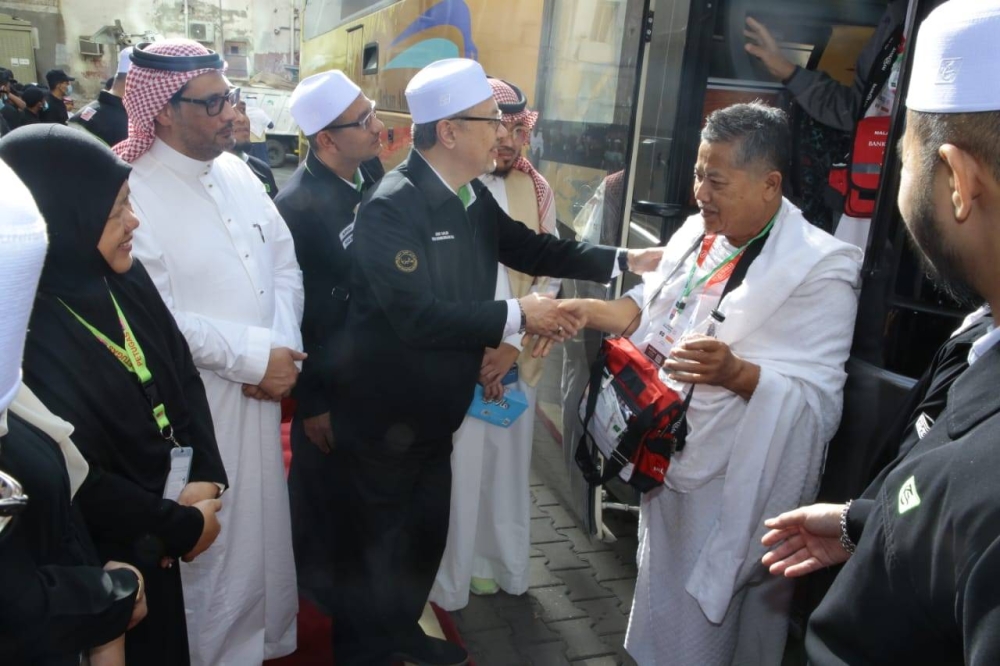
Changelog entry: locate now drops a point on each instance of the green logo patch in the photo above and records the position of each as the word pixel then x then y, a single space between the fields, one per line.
pixel 908 497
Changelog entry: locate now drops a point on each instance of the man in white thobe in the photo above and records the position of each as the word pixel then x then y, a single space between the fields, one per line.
pixel 224 262
pixel 490 522
pixel 767 395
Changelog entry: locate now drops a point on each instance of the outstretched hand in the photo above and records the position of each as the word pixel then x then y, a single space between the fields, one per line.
pixel 804 540
pixel 763 45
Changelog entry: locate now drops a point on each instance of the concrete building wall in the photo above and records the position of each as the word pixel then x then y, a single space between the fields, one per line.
pixel 257 30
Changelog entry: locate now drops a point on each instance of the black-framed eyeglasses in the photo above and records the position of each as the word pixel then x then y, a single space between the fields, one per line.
pixel 365 122
pixel 214 104
pixel 496 120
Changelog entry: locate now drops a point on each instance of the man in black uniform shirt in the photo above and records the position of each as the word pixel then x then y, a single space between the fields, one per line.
pixel 60 87
pixel 260 168
pixel 106 117
pixel 426 245
pixel 922 580
pixel 318 205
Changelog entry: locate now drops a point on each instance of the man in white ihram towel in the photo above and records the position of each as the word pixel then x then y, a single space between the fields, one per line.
pixel 767 399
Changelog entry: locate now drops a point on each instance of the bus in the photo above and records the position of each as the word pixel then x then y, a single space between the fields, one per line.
pixel 623 87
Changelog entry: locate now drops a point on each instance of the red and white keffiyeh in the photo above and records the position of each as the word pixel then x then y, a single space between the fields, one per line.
pixel 147 91
pixel 504 94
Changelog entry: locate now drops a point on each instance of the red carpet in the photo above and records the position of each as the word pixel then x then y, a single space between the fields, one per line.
pixel 314 627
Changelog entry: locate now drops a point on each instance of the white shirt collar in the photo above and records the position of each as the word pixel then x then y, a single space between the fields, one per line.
pixel 984 343
pixel 3 423
pixel 472 191
pixel 178 162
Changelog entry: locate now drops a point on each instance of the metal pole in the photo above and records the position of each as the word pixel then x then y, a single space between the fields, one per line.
pixel 291 33
pixel 187 31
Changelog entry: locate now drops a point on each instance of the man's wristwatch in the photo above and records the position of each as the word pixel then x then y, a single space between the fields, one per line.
pixel 623 261
pixel 524 319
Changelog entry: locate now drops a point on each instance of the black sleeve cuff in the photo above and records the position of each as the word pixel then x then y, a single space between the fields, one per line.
pixel 180 529
pixel 857 516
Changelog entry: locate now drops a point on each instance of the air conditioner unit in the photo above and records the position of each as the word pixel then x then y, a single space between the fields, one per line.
pixel 201 31
pixel 89 48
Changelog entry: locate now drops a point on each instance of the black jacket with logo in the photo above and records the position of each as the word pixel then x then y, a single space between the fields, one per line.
pixel 923 586
pixel 422 306
pixel 105 118
pixel 318 206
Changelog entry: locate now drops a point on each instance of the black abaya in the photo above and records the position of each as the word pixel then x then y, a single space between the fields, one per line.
pixel 75 181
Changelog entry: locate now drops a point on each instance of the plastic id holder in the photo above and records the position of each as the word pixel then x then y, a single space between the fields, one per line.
pixel 180 471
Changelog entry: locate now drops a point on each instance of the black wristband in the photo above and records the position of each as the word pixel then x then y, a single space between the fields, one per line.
pixel 623 261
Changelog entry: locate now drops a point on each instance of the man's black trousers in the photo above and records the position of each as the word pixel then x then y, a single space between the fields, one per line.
pixel 391 517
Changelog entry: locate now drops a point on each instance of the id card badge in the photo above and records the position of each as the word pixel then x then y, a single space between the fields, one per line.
pixel 661 342
pixel 180 470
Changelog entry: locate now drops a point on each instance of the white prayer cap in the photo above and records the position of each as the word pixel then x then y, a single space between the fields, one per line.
pixel 22 253
pixel 125 60
pixel 319 99
pixel 446 87
pixel 955 63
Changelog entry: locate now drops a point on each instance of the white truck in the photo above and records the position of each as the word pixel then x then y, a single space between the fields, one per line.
pixel 283 138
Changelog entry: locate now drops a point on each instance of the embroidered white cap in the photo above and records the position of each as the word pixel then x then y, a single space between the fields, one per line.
pixel 22 253
pixel 446 87
pixel 319 99
pixel 955 63
pixel 125 60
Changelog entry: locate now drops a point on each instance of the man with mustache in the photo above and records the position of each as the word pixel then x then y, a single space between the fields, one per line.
pixel 260 168
pixel 490 520
pixel 767 393
pixel 223 260
pixel 921 546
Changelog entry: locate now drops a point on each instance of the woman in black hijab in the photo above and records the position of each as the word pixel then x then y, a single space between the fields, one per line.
pixel 104 353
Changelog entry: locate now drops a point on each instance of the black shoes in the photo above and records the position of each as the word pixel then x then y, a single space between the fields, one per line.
pixel 427 651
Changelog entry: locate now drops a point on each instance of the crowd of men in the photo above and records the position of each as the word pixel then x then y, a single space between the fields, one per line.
pixel 383 302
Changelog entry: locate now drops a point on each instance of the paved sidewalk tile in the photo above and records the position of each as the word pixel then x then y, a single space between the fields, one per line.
pixel 582 641
pixel 608 566
pixel 540 576
pixel 493 648
pixel 624 590
pixel 561 517
pixel 546 654
pixel 543 532
pixel 536 511
pixel 582 585
pixel 534 479
pixel 555 604
pixel 544 496
pixel 617 641
pixel 560 556
pixel 606 615
pixel 583 542
pixel 526 625
pixel 479 615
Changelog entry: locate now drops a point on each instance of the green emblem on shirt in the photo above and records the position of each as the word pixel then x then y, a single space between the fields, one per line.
pixel 908 497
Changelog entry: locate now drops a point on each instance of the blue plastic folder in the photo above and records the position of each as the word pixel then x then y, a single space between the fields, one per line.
pixel 499 413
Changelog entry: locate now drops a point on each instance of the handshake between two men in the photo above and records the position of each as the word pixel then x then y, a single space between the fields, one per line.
pixel 549 321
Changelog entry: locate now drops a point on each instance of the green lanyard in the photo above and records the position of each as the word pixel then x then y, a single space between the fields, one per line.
pixel 132 357
pixel 688 287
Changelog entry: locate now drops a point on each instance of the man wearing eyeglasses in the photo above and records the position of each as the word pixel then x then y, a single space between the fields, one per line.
pixel 318 203
pixel 427 241
pixel 223 260
pixel 489 525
